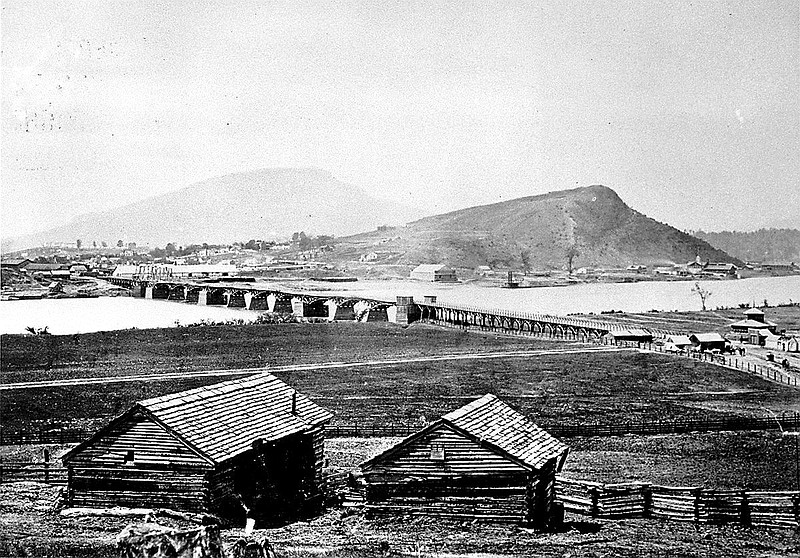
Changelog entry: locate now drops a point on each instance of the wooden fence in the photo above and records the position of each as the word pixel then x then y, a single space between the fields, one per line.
pixel 35 471
pixel 773 371
pixel 691 504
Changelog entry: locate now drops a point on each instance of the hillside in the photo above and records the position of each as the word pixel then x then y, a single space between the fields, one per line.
pixel 765 245
pixel 536 232
pixel 265 204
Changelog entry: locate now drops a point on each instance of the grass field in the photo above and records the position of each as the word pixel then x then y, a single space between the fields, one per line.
pixel 114 353
pixel 552 388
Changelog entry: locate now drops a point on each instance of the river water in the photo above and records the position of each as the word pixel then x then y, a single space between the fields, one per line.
pixel 66 316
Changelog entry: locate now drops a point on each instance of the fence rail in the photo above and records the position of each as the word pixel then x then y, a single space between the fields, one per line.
pixel 36 471
pixel 691 504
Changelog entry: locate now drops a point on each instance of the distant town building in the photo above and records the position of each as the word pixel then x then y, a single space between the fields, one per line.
pixel 754 327
pixel 677 343
pixel 55 270
pixel 634 334
pixel 171 271
pixel 720 268
pixel 16 263
pixel 371 257
pixel 708 341
pixel 789 344
pixel 434 272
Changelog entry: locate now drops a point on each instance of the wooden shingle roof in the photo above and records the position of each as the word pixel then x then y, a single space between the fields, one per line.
pixel 497 426
pixel 490 420
pixel 222 420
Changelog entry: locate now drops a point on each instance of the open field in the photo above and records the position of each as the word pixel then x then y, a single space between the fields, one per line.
pixel 551 388
pixel 147 351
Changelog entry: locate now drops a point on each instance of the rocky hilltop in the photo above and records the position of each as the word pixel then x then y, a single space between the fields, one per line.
pixel 591 224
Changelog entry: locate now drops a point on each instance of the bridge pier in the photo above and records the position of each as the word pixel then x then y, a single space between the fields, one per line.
pixel 407 311
pixel 309 308
pixel 209 297
pixel 255 302
pixel 279 304
pixel 235 299
pixel 192 294
pixel 340 311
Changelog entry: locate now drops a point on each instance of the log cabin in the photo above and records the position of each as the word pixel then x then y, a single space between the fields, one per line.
pixel 247 448
pixel 484 461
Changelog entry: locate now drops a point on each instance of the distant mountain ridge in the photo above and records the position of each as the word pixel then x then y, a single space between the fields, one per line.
pixel 592 223
pixel 264 204
pixel 764 245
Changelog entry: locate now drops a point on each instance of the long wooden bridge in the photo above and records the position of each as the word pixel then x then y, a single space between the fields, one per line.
pixel 342 307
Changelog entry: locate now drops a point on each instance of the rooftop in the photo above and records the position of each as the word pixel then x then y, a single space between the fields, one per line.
pixel 223 420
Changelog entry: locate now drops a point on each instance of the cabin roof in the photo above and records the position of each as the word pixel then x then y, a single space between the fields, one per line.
pixel 679 340
pixel 427 268
pixel 752 324
pixel 490 421
pixel 223 420
pixel 632 332
pixel 753 312
pixel 707 337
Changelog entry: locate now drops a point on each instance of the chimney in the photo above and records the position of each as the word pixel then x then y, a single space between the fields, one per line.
pixel 294 402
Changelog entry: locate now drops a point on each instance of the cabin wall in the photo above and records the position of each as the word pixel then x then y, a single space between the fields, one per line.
pixel 162 473
pixel 272 483
pixel 446 474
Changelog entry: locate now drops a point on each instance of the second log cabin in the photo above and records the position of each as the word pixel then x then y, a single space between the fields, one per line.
pixel 484 461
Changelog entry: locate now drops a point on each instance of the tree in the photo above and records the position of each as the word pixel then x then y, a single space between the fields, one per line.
pixel 525 258
pixel 104 244
pixel 120 244
pixel 571 254
pixel 169 249
pixel 94 244
pixel 704 294
pixel 79 243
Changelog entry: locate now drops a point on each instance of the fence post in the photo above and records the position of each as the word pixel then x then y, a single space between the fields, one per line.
pixel 697 492
pixel 744 513
pixel 647 494
pixel 595 494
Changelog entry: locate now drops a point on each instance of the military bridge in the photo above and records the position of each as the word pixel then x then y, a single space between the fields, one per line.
pixel 342 307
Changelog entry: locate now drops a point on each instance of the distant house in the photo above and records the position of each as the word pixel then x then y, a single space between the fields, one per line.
pixel 483 270
pixel 789 344
pixel 53 270
pixel 720 268
pixel 243 448
pixel 434 272
pixel 780 267
pixel 771 341
pixel 696 266
pixel 677 343
pixel 636 268
pixel 371 257
pixel 77 269
pixel 708 341
pixel 484 461
pixel 18 264
pixel 754 320
pixel 634 334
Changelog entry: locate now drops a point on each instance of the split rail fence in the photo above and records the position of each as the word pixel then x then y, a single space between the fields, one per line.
pixel 690 504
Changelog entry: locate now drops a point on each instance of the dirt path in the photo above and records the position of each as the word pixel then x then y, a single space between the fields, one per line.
pixel 319 366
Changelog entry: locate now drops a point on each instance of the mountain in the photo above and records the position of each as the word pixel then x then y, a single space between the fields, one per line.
pixel 537 232
pixel 264 204
pixel 764 245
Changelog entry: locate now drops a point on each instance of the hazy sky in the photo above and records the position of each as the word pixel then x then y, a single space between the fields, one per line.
pixel 689 110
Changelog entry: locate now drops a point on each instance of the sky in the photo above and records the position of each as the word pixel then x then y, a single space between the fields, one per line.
pixel 689 110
